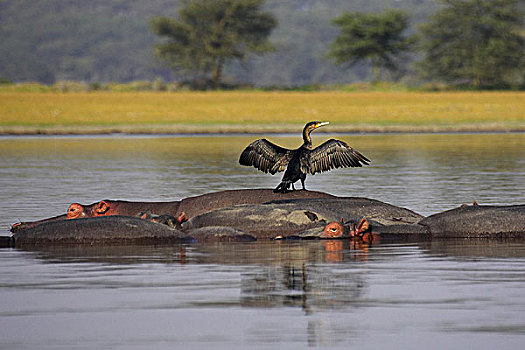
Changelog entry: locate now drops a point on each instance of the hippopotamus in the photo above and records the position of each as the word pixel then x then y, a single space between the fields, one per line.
pixel 182 209
pixel 198 205
pixel 288 217
pixel 190 206
pixel 105 207
pixel 337 230
pixel 117 229
pixel 98 230
pixel 301 213
pixel 477 221
pixel 28 224
pixel 109 207
pixel 363 229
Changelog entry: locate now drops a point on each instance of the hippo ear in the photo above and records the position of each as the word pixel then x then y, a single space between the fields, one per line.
pixel 182 218
pixel 363 225
pixel 74 211
pixel 102 207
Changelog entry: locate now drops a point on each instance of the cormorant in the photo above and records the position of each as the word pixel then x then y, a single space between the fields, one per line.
pixel 270 158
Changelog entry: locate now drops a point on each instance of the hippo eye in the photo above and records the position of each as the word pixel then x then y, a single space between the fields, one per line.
pixel 333 229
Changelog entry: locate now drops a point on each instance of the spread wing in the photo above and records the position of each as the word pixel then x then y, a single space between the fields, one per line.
pixel 266 156
pixel 334 154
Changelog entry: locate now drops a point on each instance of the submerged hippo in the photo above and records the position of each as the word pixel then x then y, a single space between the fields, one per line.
pixel 109 207
pixel 465 222
pixel 288 217
pixel 364 229
pixel 182 209
pixel 98 230
pixel 332 230
pixel 198 205
pixel 190 206
pixel 105 207
pixel 477 221
pixel 28 224
pixel 118 229
pixel 284 214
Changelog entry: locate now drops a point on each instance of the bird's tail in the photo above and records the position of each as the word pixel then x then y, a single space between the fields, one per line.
pixel 282 187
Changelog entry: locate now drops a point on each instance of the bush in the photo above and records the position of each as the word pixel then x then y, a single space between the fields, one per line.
pixel 70 86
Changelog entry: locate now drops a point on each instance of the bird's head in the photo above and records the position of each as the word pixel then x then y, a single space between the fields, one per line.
pixel 311 126
pixel 314 125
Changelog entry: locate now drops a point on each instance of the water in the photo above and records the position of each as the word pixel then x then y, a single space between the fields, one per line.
pixel 440 294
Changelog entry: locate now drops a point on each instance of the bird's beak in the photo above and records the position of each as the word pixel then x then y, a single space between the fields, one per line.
pixel 321 124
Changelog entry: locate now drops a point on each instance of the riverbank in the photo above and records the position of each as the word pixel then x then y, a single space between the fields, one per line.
pixel 218 129
pixel 27 113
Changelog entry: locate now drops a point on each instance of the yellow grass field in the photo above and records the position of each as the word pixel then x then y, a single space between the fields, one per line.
pixel 254 111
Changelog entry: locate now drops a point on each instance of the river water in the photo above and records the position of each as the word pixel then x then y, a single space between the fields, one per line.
pixel 412 295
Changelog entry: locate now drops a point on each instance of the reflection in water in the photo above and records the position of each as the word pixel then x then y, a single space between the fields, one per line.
pixel 309 287
pixel 321 293
pixel 478 248
pixel 261 252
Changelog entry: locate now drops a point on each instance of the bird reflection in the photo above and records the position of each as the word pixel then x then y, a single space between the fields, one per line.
pixel 310 287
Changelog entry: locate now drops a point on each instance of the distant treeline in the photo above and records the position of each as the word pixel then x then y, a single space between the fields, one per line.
pixel 103 41
pixel 158 85
pixel 85 46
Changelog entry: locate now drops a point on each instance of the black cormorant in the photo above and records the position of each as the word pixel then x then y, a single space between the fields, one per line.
pixel 270 158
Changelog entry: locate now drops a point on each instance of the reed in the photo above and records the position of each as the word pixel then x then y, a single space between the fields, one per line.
pixel 242 111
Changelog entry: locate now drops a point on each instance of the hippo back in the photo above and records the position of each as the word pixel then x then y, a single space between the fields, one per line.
pixel 194 206
pixel 99 230
pixel 478 221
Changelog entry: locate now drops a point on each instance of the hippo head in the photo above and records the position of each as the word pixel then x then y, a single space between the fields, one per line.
pixel 335 229
pixel 77 210
pixel 361 228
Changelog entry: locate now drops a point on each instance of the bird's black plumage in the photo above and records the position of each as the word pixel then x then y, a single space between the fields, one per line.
pixel 271 158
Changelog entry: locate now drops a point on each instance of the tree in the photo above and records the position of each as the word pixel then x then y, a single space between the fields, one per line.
pixel 377 38
pixel 208 33
pixel 478 43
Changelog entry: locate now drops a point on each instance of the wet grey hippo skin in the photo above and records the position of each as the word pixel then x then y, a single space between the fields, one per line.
pixel 292 216
pixel 351 229
pixel 118 229
pixel 190 206
pixel 285 214
pixel 348 208
pixel 198 205
pixel 477 221
pixel 28 224
pixel 99 230
pixel 463 222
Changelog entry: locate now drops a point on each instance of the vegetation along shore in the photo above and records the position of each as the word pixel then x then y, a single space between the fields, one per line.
pixel 258 112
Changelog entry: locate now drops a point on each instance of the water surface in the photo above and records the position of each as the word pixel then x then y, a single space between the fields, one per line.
pixel 432 295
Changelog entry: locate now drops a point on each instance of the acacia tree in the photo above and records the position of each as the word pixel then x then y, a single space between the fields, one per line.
pixel 479 43
pixel 208 33
pixel 374 37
